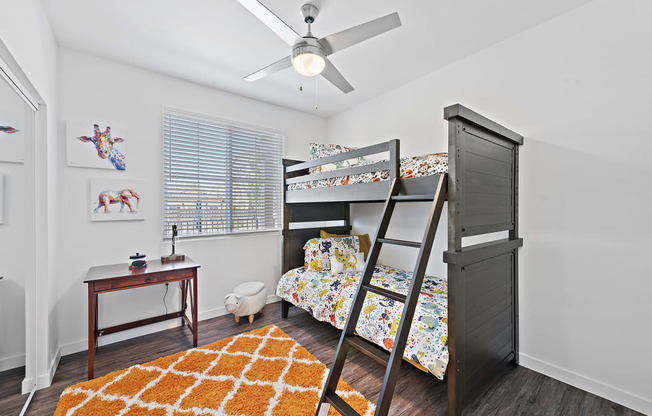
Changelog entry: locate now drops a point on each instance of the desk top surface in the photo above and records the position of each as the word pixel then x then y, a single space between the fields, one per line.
pixel 122 270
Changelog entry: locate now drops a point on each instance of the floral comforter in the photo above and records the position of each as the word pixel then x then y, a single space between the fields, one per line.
pixel 328 297
pixel 411 167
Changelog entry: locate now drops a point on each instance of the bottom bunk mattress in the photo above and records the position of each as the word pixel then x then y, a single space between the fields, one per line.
pixel 328 297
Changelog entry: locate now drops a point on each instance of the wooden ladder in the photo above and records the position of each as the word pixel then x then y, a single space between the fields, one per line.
pixel 348 339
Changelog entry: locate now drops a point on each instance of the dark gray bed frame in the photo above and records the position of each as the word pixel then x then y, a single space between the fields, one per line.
pixel 482 199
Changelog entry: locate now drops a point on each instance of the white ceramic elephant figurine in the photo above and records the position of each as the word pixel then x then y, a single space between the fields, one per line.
pixel 247 299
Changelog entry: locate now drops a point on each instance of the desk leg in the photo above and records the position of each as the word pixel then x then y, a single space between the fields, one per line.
pixel 91 331
pixel 184 297
pixel 97 327
pixel 195 294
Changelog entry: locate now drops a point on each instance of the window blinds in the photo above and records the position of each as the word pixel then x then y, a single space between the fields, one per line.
pixel 219 177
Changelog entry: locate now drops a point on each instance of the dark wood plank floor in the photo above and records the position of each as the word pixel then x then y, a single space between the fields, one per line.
pixel 11 401
pixel 517 391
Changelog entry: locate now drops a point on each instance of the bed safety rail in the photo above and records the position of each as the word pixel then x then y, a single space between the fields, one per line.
pixel 298 172
pixel 392 164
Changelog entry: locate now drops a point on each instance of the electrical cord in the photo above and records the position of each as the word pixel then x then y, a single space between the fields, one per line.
pixel 167 287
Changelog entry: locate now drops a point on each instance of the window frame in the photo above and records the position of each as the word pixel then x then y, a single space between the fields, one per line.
pixel 225 123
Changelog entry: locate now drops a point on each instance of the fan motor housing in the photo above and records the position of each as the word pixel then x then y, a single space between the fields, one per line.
pixel 308 45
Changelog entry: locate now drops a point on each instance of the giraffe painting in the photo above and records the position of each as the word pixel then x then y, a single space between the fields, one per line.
pixel 104 144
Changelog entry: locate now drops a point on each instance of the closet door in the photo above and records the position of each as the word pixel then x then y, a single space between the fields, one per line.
pixel 16 193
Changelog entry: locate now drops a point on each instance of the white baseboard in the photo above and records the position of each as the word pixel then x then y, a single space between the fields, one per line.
pixel 609 392
pixel 8 363
pixel 82 345
pixel 45 380
pixel 28 385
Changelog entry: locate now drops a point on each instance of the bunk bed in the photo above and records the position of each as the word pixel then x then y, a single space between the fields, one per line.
pixel 482 181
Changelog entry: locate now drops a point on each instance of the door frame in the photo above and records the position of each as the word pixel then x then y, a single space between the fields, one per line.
pixel 39 367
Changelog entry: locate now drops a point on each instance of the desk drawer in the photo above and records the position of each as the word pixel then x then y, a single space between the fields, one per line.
pixel 146 279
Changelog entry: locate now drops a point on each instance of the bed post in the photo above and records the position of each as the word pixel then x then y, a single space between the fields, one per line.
pixel 394 159
pixel 455 283
pixel 482 278
pixel 513 235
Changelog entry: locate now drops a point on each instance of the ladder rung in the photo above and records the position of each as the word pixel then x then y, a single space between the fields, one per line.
pixel 413 198
pixel 340 405
pixel 399 242
pixel 368 348
pixel 384 292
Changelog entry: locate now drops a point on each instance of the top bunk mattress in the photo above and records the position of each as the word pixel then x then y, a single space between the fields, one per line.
pixel 411 167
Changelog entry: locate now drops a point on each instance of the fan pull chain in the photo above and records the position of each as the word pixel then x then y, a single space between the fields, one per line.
pixel 316 106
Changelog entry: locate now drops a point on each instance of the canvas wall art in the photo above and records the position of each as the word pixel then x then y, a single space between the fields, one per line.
pixel 12 143
pixel 96 145
pixel 117 199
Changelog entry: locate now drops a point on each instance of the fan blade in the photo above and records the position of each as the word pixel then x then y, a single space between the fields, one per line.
pixel 270 69
pixel 336 78
pixel 349 37
pixel 272 21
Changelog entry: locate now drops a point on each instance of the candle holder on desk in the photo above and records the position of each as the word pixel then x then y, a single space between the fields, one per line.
pixel 174 256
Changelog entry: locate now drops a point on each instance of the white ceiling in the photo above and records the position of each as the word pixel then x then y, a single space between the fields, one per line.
pixel 218 42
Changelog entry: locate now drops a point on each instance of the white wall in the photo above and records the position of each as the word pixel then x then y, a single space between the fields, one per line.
pixel 578 87
pixel 27 34
pixel 95 89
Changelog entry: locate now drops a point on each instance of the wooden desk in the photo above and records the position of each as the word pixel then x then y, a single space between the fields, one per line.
pixel 115 277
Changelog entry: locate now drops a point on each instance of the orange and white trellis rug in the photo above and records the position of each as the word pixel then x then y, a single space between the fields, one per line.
pixel 261 372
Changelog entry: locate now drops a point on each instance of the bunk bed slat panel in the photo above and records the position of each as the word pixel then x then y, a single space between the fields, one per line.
pixel 488 166
pixel 486 208
pixel 481 320
pixel 480 182
pixel 485 301
pixel 480 203
pixel 482 147
pixel 490 276
pixel 488 298
pixel 483 334
pixel 495 347
pixel 493 360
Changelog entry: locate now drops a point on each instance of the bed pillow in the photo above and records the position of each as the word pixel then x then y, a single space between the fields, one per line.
pixel 319 250
pixel 365 241
pixel 323 150
pixel 346 262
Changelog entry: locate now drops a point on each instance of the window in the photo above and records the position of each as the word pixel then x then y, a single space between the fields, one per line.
pixel 219 177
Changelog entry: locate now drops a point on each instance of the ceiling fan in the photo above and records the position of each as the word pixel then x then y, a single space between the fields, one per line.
pixel 309 54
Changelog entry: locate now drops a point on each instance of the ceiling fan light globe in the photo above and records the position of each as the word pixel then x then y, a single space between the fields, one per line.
pixel 309 64
pixel 308 57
